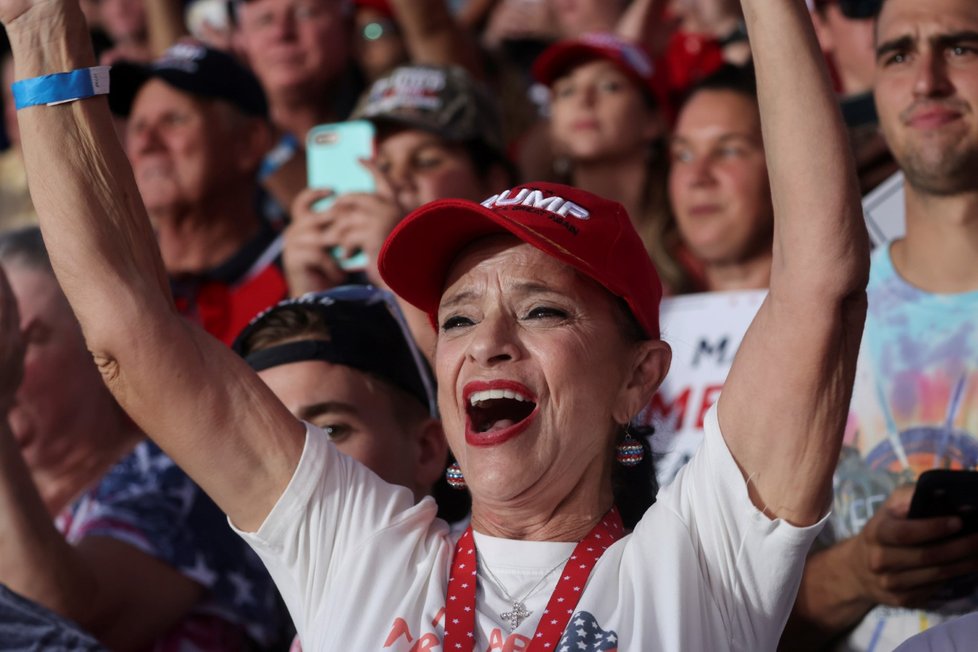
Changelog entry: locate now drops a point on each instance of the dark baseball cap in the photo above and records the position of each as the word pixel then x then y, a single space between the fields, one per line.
pixel 192 67
pixel 443 100
pixel 366 331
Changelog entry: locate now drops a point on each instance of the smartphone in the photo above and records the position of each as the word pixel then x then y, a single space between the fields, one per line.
pixel 333 154
pixel 943 492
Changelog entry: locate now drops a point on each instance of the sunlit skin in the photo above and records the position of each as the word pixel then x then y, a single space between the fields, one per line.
pixel 294 45
pixel 512 314
pixel 718 181
pixel 927 91
pixel 598 114
pixel 357 413
pixel 182 149
pixel 422 167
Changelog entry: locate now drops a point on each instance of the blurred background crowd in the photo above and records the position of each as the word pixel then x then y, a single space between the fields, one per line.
pixel 651 103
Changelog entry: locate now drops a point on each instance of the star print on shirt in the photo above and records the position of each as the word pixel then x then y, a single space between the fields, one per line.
pixel 583 634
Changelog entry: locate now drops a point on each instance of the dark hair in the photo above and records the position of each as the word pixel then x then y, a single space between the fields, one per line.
pixel 485 158
pixel 26 247
pixel 635 487
pixel 287 324
pixel 299 322
pixel 656 225
pixel 864 8
pixel 728 77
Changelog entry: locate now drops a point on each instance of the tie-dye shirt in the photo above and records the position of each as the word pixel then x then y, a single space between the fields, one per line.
pixel 914 408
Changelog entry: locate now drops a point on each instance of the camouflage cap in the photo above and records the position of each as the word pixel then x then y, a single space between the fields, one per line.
pixel 444 100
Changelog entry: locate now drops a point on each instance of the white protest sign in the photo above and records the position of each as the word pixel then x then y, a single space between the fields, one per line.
pixel 884 211
pixel 704 331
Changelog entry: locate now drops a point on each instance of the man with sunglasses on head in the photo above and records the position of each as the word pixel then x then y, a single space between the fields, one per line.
pixel 845 32
pixel 881 576
pixel 333 358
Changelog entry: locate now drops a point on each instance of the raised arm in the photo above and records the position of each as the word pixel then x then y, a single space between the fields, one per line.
pixel 433 36
pixel 784 405
pixel 203 406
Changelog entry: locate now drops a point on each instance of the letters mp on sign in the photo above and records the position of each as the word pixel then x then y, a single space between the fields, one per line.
pixel 704 331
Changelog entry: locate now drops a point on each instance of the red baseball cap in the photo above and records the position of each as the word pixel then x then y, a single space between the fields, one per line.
pixel 381 6
pixel 591 234
pixel 631 58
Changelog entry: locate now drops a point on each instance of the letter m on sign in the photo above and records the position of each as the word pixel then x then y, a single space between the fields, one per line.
pixel 717 351
pixel 669 414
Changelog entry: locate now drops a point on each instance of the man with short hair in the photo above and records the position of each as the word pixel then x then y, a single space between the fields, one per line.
pixel 300 50
pixel 196 134
pixel 915 401
pixel 344 360
pixel 333 358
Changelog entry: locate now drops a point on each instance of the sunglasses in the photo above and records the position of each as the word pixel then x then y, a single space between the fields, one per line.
pixel 854 9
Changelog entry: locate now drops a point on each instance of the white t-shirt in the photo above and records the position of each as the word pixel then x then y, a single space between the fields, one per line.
pixel 361 567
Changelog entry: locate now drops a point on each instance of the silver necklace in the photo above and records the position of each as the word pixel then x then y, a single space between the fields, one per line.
pixel 519 612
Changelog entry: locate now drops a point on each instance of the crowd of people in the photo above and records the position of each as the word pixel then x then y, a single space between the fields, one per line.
pixel 219 434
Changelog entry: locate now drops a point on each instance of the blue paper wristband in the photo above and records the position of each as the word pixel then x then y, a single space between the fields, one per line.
pixel 61 87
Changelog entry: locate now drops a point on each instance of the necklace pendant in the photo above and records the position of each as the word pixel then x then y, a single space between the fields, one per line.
pixel 516 616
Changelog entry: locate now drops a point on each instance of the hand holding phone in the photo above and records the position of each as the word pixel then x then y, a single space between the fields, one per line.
pixel 943 492
pixel 905 562
pixel 333 154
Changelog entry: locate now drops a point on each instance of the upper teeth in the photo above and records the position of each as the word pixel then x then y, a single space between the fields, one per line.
pixel 489 394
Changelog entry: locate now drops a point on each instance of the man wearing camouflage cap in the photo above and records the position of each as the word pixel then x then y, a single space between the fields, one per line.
pixel 438 136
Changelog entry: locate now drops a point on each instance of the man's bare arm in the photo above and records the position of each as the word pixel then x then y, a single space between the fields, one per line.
pixel 785 401
pixel 202 404
pixel 894 560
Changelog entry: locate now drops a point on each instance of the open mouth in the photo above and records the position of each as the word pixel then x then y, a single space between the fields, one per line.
pixel 496 414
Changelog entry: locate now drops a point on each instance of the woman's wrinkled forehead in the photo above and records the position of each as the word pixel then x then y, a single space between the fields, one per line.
pixel 477 251
pixel 518 268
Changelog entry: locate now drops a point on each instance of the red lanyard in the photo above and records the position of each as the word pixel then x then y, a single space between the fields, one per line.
pixel 460 606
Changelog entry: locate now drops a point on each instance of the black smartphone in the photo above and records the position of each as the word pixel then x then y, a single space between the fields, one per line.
pixel 942 492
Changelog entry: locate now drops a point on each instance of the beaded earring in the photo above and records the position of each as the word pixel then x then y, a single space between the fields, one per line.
pixel 629 452
pixel 454 476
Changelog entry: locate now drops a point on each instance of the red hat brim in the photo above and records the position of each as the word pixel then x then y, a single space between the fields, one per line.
pixel 560 57
pixel 417 255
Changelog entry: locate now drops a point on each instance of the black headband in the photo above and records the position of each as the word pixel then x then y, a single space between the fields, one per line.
pixel 364 330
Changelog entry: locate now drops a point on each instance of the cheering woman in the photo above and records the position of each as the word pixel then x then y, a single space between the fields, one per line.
pixel 548 343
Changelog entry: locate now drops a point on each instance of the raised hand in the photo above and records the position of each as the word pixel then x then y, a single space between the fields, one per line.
pixel 361 222
pixel 19 11
pixel 307 258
